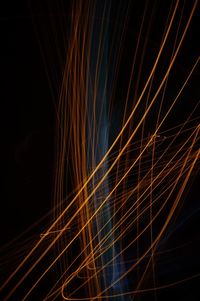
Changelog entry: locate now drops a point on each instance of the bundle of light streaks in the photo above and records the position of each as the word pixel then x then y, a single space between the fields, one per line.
pixel 128 182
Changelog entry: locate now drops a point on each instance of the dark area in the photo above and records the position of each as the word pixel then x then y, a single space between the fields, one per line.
pixel 28 124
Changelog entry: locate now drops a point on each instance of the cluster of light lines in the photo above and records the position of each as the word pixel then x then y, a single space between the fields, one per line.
pixel 146 174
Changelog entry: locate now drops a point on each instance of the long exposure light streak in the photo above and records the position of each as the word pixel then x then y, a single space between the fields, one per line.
pixel 119 181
